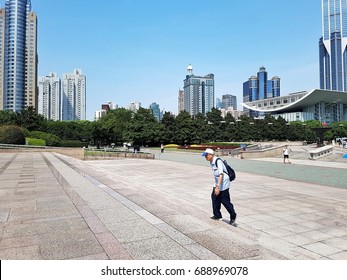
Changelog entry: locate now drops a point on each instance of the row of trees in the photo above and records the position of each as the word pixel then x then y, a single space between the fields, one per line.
pixel 141 128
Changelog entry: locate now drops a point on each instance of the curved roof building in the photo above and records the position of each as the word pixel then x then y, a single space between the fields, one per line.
pixel 324 105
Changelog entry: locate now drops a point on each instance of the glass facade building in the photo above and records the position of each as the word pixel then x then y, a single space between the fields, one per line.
pixel 332 46
pixel 155 109
pixel 259 88
pixel 18 58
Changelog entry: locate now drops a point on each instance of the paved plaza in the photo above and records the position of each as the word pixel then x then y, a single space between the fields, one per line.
pixel 57 207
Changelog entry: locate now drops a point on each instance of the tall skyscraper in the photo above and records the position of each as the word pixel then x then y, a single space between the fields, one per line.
pixel 198 93
pixel 259 88
pixel 18 58
pixel 74 96
pixel 332 46
pixel 49 100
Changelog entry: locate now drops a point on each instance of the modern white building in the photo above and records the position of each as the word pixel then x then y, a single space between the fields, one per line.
pixel 49 100
pixel 74 96
pixel 326 106
pixel 134 106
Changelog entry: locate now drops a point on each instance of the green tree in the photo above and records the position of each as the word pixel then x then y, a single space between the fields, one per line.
pixel 29 119
pixel 200 132
pixel 7 118
pixel 169 133
pixel 114 125
pixel 144 129
pixel 214 119
pixel 184 128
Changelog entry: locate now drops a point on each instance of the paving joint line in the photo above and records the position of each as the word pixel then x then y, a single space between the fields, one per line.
pixel 143 213
pixel 7 164
pixel 81 207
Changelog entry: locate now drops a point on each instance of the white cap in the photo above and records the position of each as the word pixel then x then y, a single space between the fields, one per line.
pixel 208 151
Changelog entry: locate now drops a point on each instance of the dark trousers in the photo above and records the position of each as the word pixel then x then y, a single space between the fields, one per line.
pixel 222 198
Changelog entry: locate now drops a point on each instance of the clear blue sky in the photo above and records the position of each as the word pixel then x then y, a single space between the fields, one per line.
pixel 136 50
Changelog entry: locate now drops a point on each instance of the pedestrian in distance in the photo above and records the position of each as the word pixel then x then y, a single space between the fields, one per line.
pixel 220 192
pixel 162 148
pixel 286 154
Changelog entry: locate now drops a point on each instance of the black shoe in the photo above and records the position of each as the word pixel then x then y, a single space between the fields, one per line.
pixel 216 218
pixel 232 221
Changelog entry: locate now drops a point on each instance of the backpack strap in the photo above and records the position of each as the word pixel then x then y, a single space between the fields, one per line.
pixel 223 165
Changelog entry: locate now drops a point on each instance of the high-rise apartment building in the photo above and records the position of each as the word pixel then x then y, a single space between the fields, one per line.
pixel 74 96
pixel 18 57
pixel 332 46
pixel 49 99
pixel 259 88
pixel 198 93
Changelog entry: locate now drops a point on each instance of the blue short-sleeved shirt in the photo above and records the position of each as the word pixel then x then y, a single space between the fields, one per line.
pixel 216 173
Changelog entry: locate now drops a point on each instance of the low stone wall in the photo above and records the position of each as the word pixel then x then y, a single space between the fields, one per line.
pixel 268 152
pixel 120 156
pixel 321 152
pixel 78 153
pixel 72 152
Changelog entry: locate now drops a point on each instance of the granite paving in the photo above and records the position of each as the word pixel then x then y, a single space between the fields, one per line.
pixel 57 207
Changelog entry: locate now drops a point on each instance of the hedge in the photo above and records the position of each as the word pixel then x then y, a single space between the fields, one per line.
pixel 35 142
pixel 50 139
pixel 11 134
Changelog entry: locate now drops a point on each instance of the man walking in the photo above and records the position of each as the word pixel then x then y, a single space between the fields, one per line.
pixel 220 193
pixel 286 154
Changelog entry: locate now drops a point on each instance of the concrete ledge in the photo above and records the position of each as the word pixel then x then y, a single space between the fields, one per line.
pixel 321 152
pixel 267 152
pixel 72 152
pixel 78 153
pixel 120 156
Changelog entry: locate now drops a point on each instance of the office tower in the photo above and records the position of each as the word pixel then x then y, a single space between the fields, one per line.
pixel 74 96
pixel 262 83
pixel 332 46
pixel 18 58
pixel 155 109
pixel 229 101
pixel 259 88
pixel 250 92
pixel 275 88
pixel 49 98
pixel 180 100
pixel 198 93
